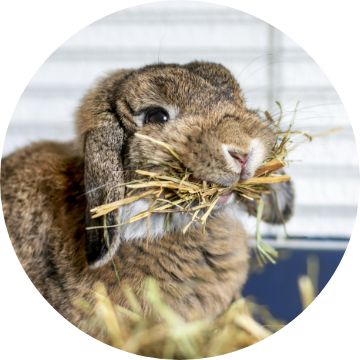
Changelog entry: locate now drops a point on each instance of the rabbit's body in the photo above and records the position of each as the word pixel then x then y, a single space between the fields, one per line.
pixel 48 189
pixel 200 273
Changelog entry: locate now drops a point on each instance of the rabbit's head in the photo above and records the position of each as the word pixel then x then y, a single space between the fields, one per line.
pixel 197 109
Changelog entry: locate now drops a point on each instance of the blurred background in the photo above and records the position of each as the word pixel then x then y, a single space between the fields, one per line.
pixel 269 67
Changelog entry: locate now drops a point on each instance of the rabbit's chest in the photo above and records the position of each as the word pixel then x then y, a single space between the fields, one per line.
pixel 199 273
pixel 214 269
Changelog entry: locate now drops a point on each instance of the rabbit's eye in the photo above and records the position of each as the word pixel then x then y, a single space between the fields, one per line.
pixel 156 115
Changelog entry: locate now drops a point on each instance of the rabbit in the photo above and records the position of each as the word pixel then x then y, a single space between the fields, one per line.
pixel 48 189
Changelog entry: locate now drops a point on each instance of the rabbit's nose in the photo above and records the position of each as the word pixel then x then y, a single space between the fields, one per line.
pixel 240 158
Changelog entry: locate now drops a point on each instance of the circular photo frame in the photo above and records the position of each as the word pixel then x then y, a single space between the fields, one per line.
pixel 179 180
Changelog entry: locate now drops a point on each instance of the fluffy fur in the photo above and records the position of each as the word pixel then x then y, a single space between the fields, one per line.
pixel 48 189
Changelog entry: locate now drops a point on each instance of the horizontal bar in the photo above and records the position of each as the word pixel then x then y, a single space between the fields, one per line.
pixel 197 17
pixel 299 244
pixel 76 91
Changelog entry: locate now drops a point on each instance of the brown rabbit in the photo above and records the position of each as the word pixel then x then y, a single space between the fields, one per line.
pixel 48 189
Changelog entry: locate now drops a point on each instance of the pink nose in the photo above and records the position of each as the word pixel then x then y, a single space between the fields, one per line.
pixel 239 158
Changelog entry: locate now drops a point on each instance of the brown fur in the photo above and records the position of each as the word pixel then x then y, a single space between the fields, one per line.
pixel 46 209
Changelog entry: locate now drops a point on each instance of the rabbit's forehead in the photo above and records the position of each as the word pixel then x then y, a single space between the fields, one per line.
pixel 180 89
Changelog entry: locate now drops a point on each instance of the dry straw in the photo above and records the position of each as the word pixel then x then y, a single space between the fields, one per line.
pixel 165 334
pixel 173 190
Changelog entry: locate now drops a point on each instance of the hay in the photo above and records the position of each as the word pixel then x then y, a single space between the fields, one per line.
pixel 173 190
pixel 165 334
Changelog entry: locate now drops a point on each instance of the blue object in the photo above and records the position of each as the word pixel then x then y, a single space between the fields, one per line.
pixel 276 286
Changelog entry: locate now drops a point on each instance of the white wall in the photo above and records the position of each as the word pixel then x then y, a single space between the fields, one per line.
pixel 268 65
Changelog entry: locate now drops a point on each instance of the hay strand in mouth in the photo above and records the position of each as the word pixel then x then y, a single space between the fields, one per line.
pixel 269 167
pixel 158 183
pixel 265 252
pixel 173 189
pixel 267 180
pixel 107 208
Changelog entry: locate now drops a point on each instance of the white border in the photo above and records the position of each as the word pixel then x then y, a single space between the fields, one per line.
pixel 31 30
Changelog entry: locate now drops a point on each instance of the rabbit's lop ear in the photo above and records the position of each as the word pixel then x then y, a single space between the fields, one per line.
pixel 103 137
